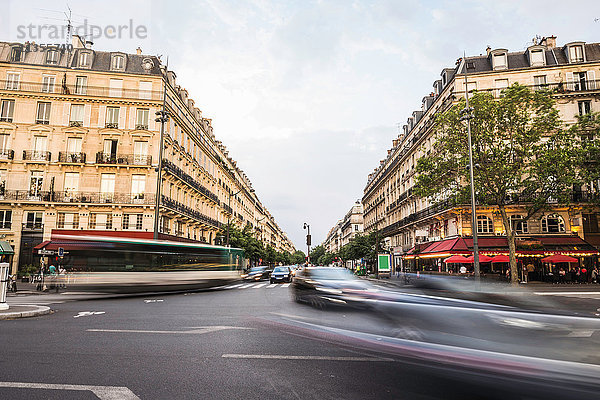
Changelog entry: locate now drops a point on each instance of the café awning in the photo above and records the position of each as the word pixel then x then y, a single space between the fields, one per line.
pixel 500 258
pixel 559 258
pixel 456 259
pixel 6 248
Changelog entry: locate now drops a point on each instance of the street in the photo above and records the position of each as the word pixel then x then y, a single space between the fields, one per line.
pixel 244 341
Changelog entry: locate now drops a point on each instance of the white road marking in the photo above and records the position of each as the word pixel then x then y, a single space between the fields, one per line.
pixel 196 330
pixel 285 285
pixel 286 357
pixel 568 294
pixel 259 285
pixel 102 392
pixel 153 301
pixel 581 333
pixel 88 313
pixel 272 285
pixel 233 286
pixel 246 286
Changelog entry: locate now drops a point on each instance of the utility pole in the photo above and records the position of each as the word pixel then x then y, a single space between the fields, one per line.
pixel 467 114
pixel 308 241
pixel 162 118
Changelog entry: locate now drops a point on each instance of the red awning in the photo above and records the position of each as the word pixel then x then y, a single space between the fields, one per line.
pixel 559 258
pixel 456 259
pixel 40 246
pixel 500 258
pixel 482 259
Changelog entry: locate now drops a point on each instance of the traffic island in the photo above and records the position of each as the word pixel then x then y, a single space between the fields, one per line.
pixel 24 311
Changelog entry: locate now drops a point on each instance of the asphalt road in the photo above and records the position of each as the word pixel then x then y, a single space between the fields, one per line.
pixel 242 342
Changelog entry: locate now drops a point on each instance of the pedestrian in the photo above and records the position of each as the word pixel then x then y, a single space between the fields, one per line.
pixel 595 275
pixel 508 274
pixel 562 275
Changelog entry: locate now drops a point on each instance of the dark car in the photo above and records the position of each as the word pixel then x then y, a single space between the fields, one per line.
pixel 323 286
pixel 257 273
pixel 281 274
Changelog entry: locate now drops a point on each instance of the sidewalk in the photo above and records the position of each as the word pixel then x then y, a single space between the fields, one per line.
pixel 25 291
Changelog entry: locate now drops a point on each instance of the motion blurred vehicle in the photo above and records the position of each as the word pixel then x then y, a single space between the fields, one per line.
pixel 324 286
pixel 281 274
pixel 257 273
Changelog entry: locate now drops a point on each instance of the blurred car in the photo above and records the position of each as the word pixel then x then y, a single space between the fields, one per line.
pixel 323 286
pixel 281 274
pixel 257 273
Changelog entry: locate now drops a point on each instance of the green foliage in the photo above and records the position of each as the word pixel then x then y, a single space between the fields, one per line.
pixel 316 253
pixel 298 257
pixel 587 129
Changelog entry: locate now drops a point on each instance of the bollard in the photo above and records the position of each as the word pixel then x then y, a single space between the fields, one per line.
pixel 3 285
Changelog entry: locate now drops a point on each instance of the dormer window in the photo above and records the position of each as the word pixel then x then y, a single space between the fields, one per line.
pixel 84 59
pixel 16 55
pixel 118 62
pixel 499 61
pixel 576 53
pixel 52 57
pixel 537 58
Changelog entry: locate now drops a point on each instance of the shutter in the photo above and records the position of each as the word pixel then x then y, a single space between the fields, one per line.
pixel 101 116
pixel 152 125
pixel 132 116
pixel 591 80
pixel 122 114
pixel 66 114
pixel 87 113
pixel 570 85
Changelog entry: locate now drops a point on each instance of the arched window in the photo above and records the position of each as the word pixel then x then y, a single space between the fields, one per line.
pixel 484 224
pixel 517 224
pixel 553 223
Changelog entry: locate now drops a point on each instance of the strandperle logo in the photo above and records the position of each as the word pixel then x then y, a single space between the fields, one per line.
pixel 89 31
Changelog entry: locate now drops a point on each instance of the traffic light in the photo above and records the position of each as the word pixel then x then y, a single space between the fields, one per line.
pixel 308 240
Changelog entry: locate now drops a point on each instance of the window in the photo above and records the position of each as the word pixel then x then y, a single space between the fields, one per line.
pixel 107 188
pixel 48 84
pixel 118 62
pixel 100 221
pixel 575 54
pixel 580 81
pixel 4 142
pixel 7 109
pixel 537 58
pixel 585 107
pixel 16 54
pixel 132 221
pixel 142 119
pixel 145 90
pixel 40 145
pixel 84 59
pixel 140 152
pixel 71 182
pixel 112 117
pixel 5 219
pixel 12 81
pixel 76 115
pixel 34 219
pixel 518 225
pixel 43 113
pixel 484 224
pixel 553 223
pixel 68 220
pixel 81 85
pixel 3 175
pixel 52 57
pixel 500 84
pixel 499 61
pixel 35 184
pixel 138 186
pixel 355 228
pixel 115 87
pixel 539 82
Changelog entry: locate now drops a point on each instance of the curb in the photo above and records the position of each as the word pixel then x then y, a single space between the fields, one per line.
pixel 37 311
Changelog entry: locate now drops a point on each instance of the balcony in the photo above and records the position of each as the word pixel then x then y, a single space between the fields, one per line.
pixel 189 212
pixel 78 124
pixel 7 154
pixel 34 155
pixel 71 89
pixel 141 127
pixel 112 125
pixel 179 173
pixel 123 159
pixel 73 158
pixel 78 197
pixel 33 226
pixel 42 121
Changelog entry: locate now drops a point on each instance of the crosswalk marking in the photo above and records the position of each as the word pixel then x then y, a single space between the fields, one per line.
pixel 234 286
pixel 272 285
pixel 259 285
pixel 246 286
pixel 285 285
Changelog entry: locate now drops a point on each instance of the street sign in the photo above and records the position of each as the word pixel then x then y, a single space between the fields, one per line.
pixel 44 252
pixel 383 263
pixel 61 252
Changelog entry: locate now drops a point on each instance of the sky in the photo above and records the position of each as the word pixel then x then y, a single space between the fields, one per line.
pixel 307 95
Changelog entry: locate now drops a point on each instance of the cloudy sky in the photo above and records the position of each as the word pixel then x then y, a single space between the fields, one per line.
pixel 308 95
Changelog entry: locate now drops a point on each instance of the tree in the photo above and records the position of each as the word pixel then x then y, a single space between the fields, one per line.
pixel 521 154
pixel 587 129
pixel 243 239
pixel 298 257
pixel 316 254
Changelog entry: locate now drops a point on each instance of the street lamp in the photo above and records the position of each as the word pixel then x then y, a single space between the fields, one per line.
pixel 307 226
pixel 162 116
pixel 467 114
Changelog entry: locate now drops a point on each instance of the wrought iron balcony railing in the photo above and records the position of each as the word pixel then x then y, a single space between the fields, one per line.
pixel 123 159
pixel 178 172
pixel 34 155
pixel 78 197
pixel 189 212
pixel 76 123
pixel 7 154
pixel 70 157
pixel 33 226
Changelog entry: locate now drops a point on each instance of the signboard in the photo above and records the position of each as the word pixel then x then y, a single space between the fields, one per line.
pixel 61 252
pixel 44 252
pixel 383 263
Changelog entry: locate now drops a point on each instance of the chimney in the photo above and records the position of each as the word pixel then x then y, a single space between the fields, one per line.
pixel 77 42
pixel 549 42
pixel 488 50
pixel 138 51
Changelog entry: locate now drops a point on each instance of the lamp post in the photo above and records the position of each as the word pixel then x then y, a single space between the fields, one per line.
pixel 307 226
pixel 467 114
pixel 162 118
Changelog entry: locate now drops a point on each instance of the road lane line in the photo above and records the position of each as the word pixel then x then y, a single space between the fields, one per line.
pixel 259 285
pixel 318 358
pixel 581 333
pixel 195 330
pixel 102 392
pixel 285 285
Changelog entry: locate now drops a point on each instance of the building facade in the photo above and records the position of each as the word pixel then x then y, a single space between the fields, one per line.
pixel 408 221
pixel 80 153
pixel 345 229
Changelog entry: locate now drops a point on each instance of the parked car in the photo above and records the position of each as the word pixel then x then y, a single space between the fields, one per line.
pixel 281 274
pixel 258 273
